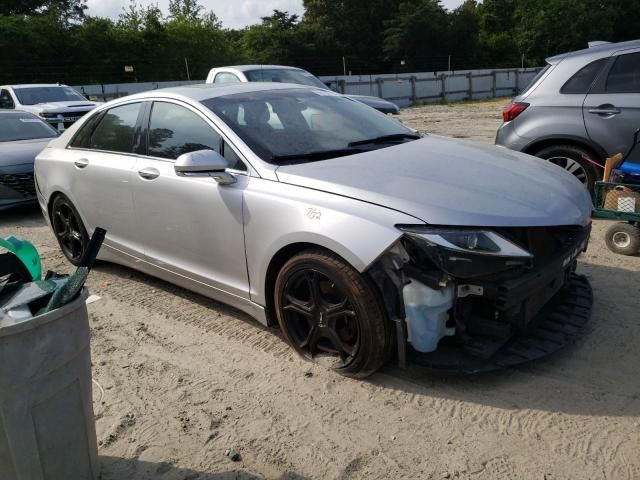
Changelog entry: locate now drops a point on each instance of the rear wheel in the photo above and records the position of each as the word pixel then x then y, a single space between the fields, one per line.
pixel 623 238
pixel 330 314
pixel 68 229
pixel 577 161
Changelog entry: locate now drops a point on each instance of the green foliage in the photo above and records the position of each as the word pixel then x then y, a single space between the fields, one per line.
pixel 54 40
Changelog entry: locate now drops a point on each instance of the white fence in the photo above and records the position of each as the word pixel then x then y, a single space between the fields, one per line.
pixel 408 88
pixel 403 89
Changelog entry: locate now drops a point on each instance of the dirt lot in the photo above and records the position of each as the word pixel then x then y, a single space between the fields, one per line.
pixel 183 378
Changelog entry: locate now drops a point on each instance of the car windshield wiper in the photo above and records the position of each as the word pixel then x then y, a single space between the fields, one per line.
pixel 386 138
pixel 317 155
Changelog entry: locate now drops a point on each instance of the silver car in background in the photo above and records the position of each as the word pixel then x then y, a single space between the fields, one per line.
pixel 583 107
pixel 312 211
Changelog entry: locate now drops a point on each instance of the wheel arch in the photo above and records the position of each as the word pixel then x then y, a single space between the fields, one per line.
pixel 575 141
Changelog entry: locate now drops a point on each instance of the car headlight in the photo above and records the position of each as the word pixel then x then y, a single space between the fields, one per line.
pixel 48 115
pixel 466 252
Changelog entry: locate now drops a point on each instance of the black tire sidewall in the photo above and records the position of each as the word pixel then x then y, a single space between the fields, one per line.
pixel 372 323
pixel 60 199
pixel 576 154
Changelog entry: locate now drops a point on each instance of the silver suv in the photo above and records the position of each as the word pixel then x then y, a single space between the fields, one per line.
pixel 580 109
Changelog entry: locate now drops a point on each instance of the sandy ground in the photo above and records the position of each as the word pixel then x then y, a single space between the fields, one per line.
pixel 184 378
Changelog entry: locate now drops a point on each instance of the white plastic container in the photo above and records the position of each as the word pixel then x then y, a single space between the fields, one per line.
pixel 427 313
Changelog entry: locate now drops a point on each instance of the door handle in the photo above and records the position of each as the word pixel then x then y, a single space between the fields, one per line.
pixel 81 163
pixel 605 110
pixel 149 173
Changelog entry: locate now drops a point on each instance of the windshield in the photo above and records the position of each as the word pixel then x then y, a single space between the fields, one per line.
pixel 35 95
pixel 295 123
pixel 23 127
pixel 282 75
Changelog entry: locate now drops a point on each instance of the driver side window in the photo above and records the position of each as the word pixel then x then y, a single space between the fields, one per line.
pixel 5 100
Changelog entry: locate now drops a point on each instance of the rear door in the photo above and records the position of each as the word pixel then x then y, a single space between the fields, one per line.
pixel 103 154
pixel 612 107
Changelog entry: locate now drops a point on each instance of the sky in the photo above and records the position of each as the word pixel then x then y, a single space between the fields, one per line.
pixel 233 13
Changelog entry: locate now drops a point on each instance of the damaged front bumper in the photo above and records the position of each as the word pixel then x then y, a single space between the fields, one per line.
pixel 532 307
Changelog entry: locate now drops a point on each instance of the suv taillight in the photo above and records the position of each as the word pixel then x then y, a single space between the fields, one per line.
pixel 512 110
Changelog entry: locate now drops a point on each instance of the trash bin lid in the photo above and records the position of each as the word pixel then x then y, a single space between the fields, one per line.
pixel 9 326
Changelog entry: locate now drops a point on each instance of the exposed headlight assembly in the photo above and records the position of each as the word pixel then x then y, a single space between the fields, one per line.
pixel 466 252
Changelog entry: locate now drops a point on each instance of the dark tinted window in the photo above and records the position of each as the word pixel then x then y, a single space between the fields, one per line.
pixel 82 138
pixel 582 81
pixel 23 126
pixel 174 130
pixel 34 95
pixel 283 75
pixel 116 131
pixel 225 77
pixel 624 76
pixel 5 99
pixel 232 157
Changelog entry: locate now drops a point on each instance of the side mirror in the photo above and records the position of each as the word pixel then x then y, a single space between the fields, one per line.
pixel 204 163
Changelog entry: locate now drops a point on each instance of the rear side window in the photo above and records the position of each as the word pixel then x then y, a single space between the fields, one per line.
pixel 5 100
pixel 225 77
pixel 174 130
pixel 116 131
pixel 581 82
pixel 624 76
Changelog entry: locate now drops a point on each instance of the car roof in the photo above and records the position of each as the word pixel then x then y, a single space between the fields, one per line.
pixel 204 91
pixel 246 68
pixel 596 51
pixel 35 85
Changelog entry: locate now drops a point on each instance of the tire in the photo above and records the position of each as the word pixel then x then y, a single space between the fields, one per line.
pixel 576 160
pixel 342 325
pixel 69 229
pixel 623 238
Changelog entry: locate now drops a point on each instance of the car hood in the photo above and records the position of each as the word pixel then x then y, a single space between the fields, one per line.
pixel 55 107
pixel 374 101
pixel 442 181
pixel 21 151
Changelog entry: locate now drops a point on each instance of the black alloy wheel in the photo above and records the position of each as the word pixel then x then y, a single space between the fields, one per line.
pixel 329 314
pixel 69 230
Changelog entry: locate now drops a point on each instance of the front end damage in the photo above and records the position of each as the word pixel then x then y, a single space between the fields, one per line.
pixel 477 299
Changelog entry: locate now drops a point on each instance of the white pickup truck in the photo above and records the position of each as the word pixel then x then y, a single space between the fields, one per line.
pixel 59 105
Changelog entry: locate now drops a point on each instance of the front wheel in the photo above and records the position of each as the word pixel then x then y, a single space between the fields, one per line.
pixel 623 238
pixel 330 314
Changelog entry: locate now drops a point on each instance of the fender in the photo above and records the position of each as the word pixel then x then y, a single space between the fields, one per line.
pixel 327 220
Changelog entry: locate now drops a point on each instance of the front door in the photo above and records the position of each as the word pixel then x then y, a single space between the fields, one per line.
pixel 189 225
pixel 612 108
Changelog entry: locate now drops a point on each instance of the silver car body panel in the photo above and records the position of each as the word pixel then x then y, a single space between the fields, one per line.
pixel 219 240
pixel 432 179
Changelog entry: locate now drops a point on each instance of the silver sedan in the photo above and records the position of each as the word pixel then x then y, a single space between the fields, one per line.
pixel 355 235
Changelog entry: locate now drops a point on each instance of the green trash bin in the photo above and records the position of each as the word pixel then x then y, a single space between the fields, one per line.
pixel 47 429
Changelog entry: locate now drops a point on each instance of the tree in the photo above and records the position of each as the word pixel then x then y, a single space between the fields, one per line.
pixel 68 9
pixel 273 41
pixel 419 35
